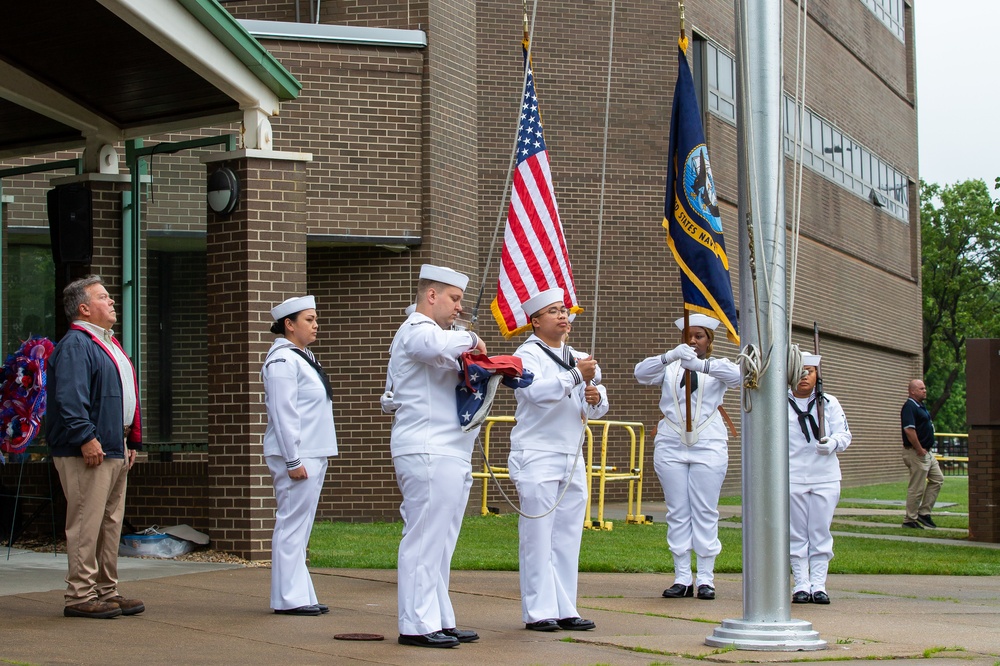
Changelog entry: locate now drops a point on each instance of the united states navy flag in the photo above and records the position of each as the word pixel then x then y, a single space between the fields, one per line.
pixel 691 210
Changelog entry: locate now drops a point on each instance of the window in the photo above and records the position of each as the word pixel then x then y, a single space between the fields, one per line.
pixel 715 71
pixel 29 301
pixel 889 12
pixel 826 149
pixel 830 152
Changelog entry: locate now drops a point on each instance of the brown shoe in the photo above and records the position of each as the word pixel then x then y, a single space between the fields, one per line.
pixel 128 606
pixel 95 609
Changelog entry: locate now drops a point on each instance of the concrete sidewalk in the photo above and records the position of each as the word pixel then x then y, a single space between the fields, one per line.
pixel 218 614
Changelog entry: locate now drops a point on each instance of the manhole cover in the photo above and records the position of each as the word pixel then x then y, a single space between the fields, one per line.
pixel 359 637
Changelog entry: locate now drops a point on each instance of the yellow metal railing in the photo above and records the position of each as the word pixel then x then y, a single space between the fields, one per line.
pixel 951 465
pixel 498 471
pixel 636 433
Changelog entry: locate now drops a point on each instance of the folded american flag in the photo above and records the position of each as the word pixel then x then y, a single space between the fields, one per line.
pixel 477 387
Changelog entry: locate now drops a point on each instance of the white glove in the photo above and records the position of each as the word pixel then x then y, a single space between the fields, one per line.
pixel 825 447
pixel 695 364
pixel 389 405
pixel 680 352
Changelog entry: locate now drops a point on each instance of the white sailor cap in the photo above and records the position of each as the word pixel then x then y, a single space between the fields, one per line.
pixel 811 359
pixel 410 309
pixel 293 305
pixel 698 319
pixel 541 299
pixel 444 275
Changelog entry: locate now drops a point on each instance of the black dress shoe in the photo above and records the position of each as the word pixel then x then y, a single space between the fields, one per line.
pixel 301 610
pixel 706 592
pixel 926 521
pixel 542 625
pixel 323 608
pixel 821 597
pixel 575 624
pixel 678 590
pixel 461 635
pixel 435 639
pixel 801 597
pixel 912 524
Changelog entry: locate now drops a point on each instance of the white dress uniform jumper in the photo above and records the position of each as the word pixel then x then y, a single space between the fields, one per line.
pixel 433 462
pixel 814 487
pixel 300 433
pixel 691 473
pixel 545 443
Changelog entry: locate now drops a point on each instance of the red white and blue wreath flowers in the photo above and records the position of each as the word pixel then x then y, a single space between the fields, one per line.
pixel 22 395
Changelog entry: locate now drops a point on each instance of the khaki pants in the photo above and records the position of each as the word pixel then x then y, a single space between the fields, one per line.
pixel 926 480
pixel 95 506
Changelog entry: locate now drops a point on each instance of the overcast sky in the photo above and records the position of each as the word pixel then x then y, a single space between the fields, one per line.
pixel 958 90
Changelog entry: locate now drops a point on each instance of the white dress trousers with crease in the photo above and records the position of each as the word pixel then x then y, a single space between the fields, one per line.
pixel 435 491
pixel 291 585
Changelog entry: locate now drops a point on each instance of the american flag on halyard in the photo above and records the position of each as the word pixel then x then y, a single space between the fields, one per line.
pixel 534 256
pixel 691 210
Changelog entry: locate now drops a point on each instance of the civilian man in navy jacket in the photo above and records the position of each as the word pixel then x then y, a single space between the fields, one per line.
pixel 93 430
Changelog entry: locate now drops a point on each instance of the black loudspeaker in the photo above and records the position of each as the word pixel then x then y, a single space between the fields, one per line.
pixel 71 228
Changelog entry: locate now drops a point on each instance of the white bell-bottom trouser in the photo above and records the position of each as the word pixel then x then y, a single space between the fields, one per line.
pixel 549 547
pixel 810 513
pixel 692 482
pixel 435 492
pixel 291 585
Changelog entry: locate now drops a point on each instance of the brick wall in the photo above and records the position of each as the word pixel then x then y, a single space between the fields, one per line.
pixel 167 494
pixel 984 484
pixel 360 297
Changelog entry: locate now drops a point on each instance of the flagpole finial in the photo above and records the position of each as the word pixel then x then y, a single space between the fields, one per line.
pixel 524 14
pixel 682 40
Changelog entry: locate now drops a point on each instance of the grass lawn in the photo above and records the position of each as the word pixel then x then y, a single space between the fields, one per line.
pixel 490 543
pixel 955 489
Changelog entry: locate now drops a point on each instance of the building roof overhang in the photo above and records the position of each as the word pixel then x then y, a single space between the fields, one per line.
pixel 83 73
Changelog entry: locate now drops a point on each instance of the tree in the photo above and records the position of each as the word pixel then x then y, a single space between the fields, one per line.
pixel 960 257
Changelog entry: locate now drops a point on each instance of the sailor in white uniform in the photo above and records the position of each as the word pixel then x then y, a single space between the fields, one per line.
pixel 431 455
pixel 298 440
pixel 691 466
pixel 814 483
pixel 546 459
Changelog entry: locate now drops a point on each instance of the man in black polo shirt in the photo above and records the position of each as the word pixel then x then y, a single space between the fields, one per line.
pixel 926 478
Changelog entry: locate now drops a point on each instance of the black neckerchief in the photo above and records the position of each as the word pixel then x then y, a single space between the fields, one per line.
pixel 319 370
pixel 694 380
pixel 805 417
pixel 568 364
pixel 314 364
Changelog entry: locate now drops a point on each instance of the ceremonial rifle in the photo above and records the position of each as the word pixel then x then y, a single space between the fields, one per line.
pixel 819 383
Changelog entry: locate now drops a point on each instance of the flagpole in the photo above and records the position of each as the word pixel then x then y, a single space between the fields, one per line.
pixel 687 373
pixel 766 622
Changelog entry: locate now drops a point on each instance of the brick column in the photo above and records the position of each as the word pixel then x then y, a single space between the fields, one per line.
pixel 984 484
pixel 256 258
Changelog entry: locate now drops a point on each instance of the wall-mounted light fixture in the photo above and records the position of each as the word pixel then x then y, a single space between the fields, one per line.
pixel 223 191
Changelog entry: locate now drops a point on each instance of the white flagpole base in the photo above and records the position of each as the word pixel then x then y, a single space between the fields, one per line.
pixel 787 636
pixel 689 438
